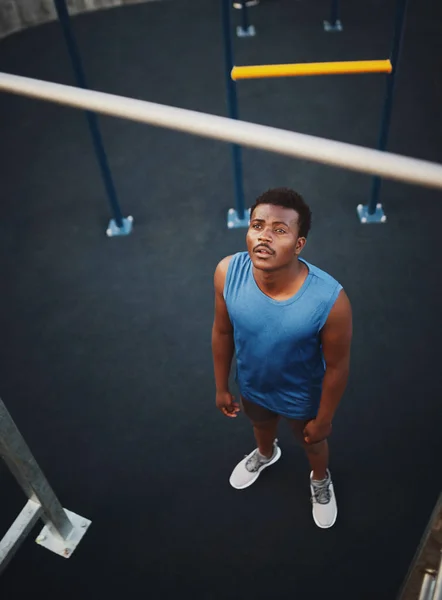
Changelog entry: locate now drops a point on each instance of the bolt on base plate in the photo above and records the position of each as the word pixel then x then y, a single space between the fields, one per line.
pixel 377 217
pixel 65 547
pixel 336 26
pixel 233 221
pixel 249 32
pixel 113 229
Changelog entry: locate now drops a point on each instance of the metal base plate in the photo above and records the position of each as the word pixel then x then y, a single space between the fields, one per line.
pixel 66 547
pixel 234 222
pixel 377 217
pixel 336 26
pixel 113 229
pixel 249 4
pixel 249 32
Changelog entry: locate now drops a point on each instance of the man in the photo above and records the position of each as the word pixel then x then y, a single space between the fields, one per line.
pixel 290 326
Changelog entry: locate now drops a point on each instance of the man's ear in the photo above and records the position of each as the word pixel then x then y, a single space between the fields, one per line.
pixel 301 242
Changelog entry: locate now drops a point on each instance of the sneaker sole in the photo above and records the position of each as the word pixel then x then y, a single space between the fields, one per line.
pixel 321 525
pixel 270 463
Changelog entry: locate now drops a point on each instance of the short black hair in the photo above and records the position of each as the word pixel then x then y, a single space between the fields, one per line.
pixel 288 199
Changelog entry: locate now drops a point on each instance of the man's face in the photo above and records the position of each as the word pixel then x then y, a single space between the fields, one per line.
pixel 273 239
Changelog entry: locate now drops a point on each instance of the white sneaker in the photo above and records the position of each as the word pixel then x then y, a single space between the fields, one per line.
pixel 248 470
pixel 325 509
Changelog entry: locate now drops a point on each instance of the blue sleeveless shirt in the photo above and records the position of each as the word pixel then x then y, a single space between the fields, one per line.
pixel 279 361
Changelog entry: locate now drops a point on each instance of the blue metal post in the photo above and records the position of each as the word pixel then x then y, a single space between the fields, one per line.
pixel 245 29
pixel 238 217
pixel 244 15
pixel 119 225
pixel 373 212
pixel 334 24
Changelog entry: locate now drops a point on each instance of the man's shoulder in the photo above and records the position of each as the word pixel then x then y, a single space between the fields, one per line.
pixel 223 267
pixel 321 275
pixel 224 263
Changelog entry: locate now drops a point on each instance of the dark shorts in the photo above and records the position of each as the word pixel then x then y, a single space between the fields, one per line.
pixel 260 414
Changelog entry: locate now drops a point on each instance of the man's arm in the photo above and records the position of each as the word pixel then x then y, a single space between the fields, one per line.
pixel 222 344
pixel 222 331
pixel 336 336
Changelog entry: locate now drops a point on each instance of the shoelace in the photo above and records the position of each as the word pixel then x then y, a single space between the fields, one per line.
pixel 321 491
pixel 255 462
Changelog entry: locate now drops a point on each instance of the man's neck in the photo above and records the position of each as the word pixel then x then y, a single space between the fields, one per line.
pixel 280 281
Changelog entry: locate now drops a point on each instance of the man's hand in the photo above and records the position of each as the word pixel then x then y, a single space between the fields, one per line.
pixel 226 404
pixel 316 431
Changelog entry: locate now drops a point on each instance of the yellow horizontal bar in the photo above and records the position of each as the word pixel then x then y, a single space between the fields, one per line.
pixel 303 69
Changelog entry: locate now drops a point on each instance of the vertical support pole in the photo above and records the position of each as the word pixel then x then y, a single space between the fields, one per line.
pixel 18 532
pixel 373 213
pixel 118 225
pixel 64 529
pixel 334 24
pixel 245 29
pixel 427 588
pixel 238 217
pixel 437 594
pixel 25 469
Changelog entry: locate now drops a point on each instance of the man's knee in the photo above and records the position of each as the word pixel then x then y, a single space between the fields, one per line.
pixel 266 426
pixel 297 427
pixel 261 417
pixel 316 449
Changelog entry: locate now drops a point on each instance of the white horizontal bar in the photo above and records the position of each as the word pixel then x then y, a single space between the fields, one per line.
pixel 307 147
pixel 18 531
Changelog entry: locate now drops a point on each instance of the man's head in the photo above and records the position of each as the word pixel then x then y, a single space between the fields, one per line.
pixel 280 221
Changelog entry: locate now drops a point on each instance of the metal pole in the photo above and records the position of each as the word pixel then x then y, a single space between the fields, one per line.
pixel 427 588
pixel 245 29
pixel 17 533
pixel 235 218
pixel 65 23
pixel 401 8
pixel 25 469
pixel 334 24
pixel 334 12
pixel 437 594
pixel 233 131
pixel 244 15
pixel 63 529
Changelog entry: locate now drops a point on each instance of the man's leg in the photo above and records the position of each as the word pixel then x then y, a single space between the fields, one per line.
pixel 265 424
pixel 265 435
pixel 322 491
pixel 317 454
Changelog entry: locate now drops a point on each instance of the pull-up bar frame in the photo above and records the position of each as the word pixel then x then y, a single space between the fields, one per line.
pixel 373 211
pixel 334 24
pixel 262 137
pixel 350 67
pixel 119 225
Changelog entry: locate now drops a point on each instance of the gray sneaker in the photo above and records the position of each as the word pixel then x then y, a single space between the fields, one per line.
pixel 324 509
pixel 248 470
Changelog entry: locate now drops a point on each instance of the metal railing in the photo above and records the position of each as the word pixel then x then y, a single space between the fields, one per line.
pixel 280 141
pixel 424 578
pixel 63 529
